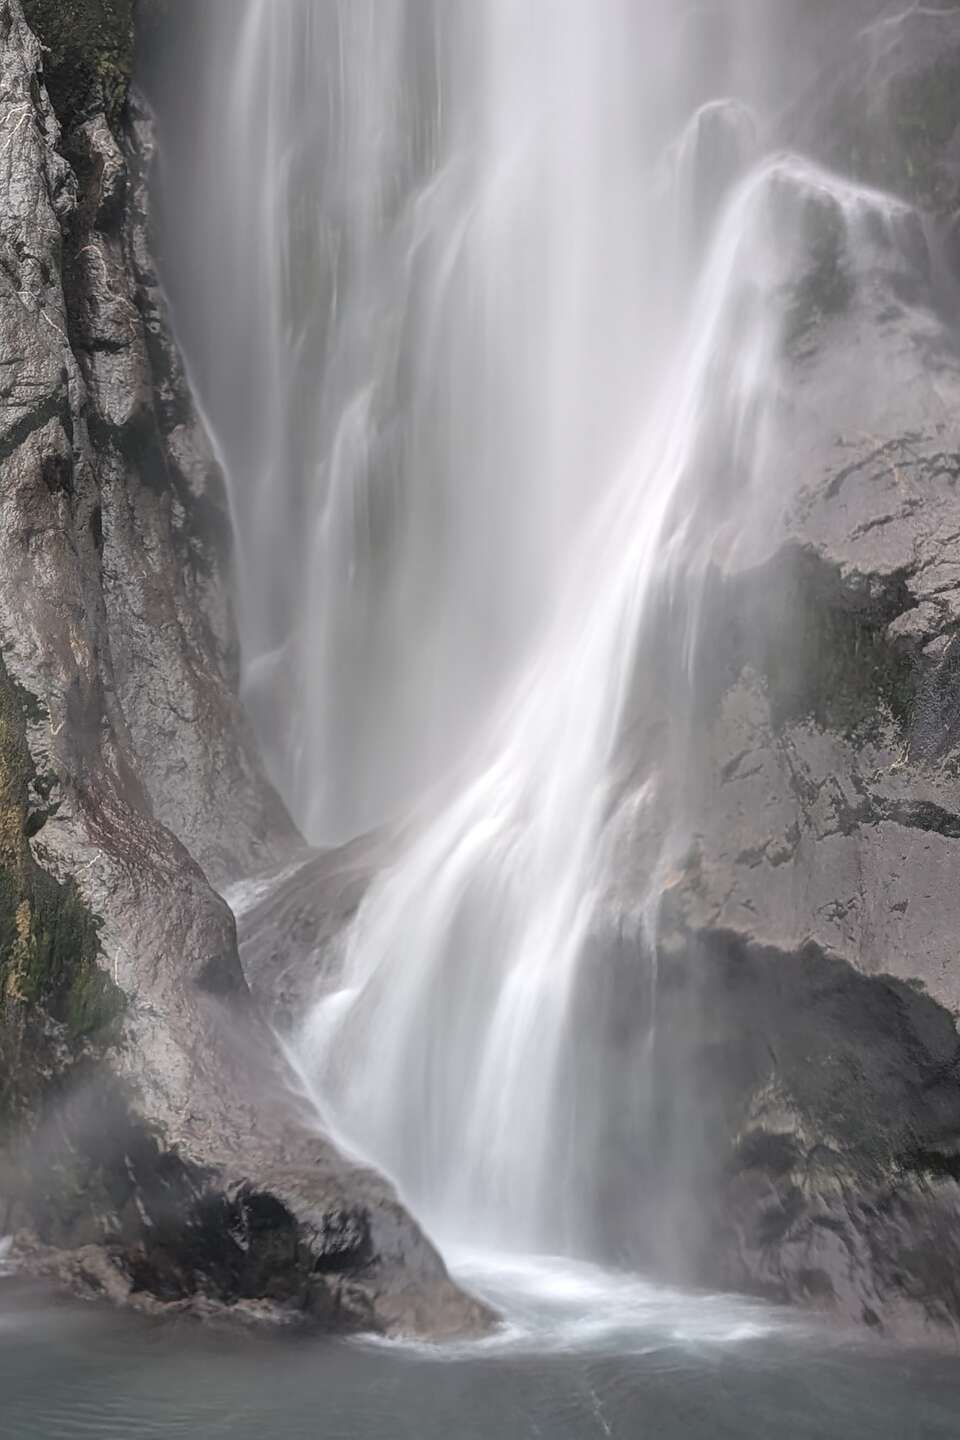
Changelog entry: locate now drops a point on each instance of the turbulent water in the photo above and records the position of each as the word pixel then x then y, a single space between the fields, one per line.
pixel 493 343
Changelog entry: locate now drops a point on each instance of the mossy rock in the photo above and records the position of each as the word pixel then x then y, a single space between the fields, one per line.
pixel 89 54
pixel 49 940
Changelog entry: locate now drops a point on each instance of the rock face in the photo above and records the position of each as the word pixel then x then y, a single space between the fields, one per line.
pixel 805 1115
pixel 151 1143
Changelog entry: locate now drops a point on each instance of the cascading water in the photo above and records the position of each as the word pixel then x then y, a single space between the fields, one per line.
pixel 511 288
pixel 441 1055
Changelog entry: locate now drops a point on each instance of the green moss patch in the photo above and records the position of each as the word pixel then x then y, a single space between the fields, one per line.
pixel 49 940
pixel 89 54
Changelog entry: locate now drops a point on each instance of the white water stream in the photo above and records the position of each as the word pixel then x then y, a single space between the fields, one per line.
pixel 520 279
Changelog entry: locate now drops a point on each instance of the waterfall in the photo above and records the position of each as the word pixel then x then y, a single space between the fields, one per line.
pixel 512 291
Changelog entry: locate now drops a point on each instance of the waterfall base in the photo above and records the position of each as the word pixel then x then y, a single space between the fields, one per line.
pixel 777 1123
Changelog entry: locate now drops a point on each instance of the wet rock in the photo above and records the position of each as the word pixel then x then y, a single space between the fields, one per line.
pixel 787 1126
pixel 782 913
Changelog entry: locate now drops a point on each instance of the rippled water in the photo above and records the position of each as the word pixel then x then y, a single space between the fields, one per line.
pixel 583 1354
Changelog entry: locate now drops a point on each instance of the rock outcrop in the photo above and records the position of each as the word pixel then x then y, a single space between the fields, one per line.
pixel 804 1014
pixel 152 1146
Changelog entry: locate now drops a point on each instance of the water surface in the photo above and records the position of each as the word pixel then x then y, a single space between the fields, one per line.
pixel 583 1355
